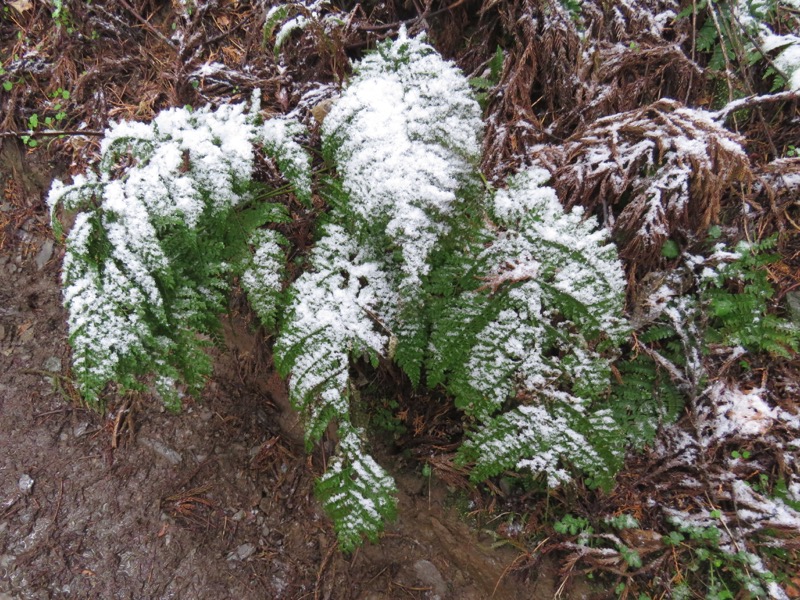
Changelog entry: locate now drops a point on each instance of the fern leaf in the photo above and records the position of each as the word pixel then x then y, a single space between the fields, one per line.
pixel 263 278
pixel 405 136
pixel 147 261
pixel 356 492
pixel 278 137
pixel 542 328
pixel 549 440
pixel 336 313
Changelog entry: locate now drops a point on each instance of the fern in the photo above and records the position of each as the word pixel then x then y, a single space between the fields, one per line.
pixel 741 317
pixel 333 316
pixel 502 298
pixel 404 139
pixel 355 491
pixel 644 395
pixel 547 440
pixel 159 230
pixel 542 328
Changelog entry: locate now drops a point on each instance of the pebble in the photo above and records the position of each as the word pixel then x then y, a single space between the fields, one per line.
pixel 52 364
pixel 245 551
pixel 44 254
pixel 162 450
pixel 2 333
pixel 26 336
pixel 430 576
pixel 793 302
pixel 25 483
pixel 239 516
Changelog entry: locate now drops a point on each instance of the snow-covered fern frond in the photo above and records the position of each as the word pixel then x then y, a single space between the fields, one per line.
pixel 549 305
pixel 356 491
pixel 556 441
pixel 263 276
pixel 405 139
pixel 160 227
pixel 335 315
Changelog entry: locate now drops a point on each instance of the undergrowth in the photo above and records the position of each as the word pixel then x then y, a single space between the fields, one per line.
pixel 490 297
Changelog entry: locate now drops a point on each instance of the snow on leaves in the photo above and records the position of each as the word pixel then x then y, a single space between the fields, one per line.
pixel 406 137
pixel 333 317
pixel 669 164
pixel 148 259
pixel 356 491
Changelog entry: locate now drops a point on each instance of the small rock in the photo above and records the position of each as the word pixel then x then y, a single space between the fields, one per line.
pixel 245 551
pixel 793 302
pixel 80 429
pixel 25 484
pixel 430 576
pixel 239 515
pixel 26 336
pixel 2 333
pixel 162 450
pixel 44 254
pixel 52 364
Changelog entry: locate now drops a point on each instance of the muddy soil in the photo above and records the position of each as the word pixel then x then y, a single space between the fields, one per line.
pixel 214 502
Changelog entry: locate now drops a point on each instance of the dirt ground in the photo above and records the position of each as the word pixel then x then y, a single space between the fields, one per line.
pixel 214 502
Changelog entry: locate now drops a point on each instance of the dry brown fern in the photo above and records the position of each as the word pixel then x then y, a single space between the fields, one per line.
pixel 650 173
pixel 539 78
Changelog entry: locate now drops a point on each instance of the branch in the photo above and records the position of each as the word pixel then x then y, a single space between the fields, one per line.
pixel 751 101
pixel 147 25
pixel 51 133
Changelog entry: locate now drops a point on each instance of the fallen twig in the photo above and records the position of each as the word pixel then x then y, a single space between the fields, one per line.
pixel 751 101
pixel 51 133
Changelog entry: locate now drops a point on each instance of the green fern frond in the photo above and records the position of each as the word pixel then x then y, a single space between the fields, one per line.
pixel 264 274
pixel 405 140
pixel 542 328
pixel 356 492
pixel 340 309
pixel 742 317
pixel 643 399
pixel 550 439
pixel 551 299
pixel 278 137
pixel 159 229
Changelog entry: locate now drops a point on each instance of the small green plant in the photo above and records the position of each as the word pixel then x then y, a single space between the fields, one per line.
pixel 385 417
pixel 8 85
pixel 718 572
pixel 489 79
pixel 738 37
pixel 572 525
pixel 61 15
pixel 738 304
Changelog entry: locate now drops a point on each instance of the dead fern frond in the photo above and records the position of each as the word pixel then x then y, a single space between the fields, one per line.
pixel 651 173
pixel 636 20
pixel 625 77
pixel 539 78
